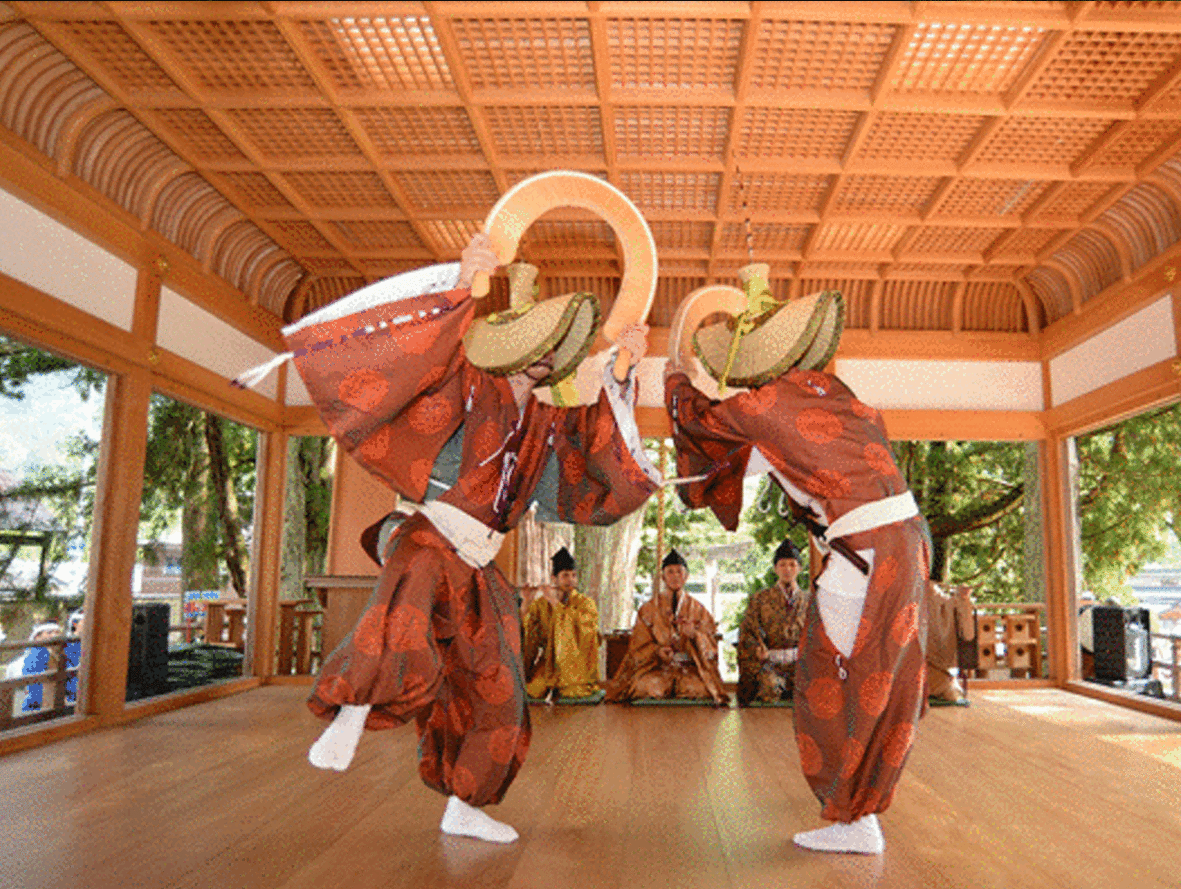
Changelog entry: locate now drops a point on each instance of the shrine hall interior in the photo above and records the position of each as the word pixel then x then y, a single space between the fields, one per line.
pixel 994 187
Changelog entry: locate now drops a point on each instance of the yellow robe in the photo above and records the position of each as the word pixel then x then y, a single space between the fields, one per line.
pixel 561 648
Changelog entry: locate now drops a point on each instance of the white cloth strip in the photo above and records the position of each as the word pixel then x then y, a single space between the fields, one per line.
pixel 682 658
pixel 867 516
pixel 758 464
pixel 783 655
pixel 250 378
pixel 420 282
pixel 840 598
pixel 622 398
pixel 474 542
pixel 685 480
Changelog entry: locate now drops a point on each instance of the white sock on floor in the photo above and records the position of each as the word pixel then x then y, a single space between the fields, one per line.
pixel 863 836
pixel 335 747
pixel 462 820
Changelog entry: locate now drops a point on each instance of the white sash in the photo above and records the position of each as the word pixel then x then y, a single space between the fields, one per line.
pixel 474 542
pixel 873 515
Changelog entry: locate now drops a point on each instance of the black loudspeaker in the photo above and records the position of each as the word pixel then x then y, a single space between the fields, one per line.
pixel 1123 649
pixel 147 662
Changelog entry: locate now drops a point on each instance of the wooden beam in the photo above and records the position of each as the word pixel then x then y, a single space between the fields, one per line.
pixel 1156 384
pixel 1061 565
pixel 939 425
pixel 267 558
pixel 107 631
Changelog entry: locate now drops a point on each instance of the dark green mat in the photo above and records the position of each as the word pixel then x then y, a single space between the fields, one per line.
pixel 788 704
pixel 589 701
pixel 676 702
pixel 939 702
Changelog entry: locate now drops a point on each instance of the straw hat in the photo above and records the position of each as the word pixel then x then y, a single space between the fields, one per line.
pixel 765 338
pixel 512 340
pixel 508 341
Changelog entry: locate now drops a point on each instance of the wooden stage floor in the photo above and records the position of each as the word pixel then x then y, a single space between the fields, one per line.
pixel 1026 789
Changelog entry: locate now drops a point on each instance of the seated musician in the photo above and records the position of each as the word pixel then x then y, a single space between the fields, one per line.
pixel 950 618
pixel 673 651
pixel 769 637
pixel 561 631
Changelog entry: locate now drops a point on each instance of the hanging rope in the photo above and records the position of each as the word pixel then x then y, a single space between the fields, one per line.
pixel 750 238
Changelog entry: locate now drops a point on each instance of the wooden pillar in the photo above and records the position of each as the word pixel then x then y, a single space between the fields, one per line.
pixel 107 630
pixel 1061 561
pixel 263 605
pixel 660 502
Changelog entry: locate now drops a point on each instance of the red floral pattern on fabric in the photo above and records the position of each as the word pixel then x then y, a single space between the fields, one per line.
pixel 480 486
pixel 885 573
pixel 486 440
pixel 377 446
pixel 828 484
pixel 430 414
pixel 864 633
pixel 758 401
pixel 368 632
pixel 432 377
pixel 880 459
pixel 862 410
pixel 906 625
pixel 459 716
pixel 811 759
pixel 407 629
pixel 420 473
pixel 472 629
pixel 417 340
pixel 573 467
pixel 363 389
pixel 819 426
pixel 512 633
pixel 502 744
pixel 875 692
pixel 825 697
pixel 898 743
pixel 851 757
pixel 496 686
pixel 585 509
pixel 463 783
pixel 336 690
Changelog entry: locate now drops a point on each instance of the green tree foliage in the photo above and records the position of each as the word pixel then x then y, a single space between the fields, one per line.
pixel 1129 497
pixel 971 495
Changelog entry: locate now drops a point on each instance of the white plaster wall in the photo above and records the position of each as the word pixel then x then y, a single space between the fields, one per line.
pixel 41 252
pixel 944 385
pixel 1133 344
pixel 204 339
pixel 297 392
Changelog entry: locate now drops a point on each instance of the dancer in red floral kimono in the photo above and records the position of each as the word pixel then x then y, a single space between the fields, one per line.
pixel 860 680
pixel 400 389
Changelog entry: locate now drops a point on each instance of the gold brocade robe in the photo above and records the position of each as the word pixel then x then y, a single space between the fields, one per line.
pixel 945 613
pixel 691 634
pixel 561 649
pixel 775 623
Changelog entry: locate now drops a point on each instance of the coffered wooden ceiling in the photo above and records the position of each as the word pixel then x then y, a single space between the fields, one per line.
pixel 949 166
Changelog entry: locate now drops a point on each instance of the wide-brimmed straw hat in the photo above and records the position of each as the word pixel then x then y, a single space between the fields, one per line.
pixel 772 336
pixel 522 335
pixel 509 341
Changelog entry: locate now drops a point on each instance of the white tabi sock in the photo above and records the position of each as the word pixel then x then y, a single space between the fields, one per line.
pixel 863 836
pixel 335 747
pixel 462 820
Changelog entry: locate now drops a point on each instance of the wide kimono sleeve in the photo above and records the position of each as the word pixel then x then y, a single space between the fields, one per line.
pixel 604 473
pixel 707 445
pixel 386 371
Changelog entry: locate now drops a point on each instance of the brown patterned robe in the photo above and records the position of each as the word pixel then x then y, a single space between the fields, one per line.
pixel 772 622
pixel 855 717
pixel 691 634
pixel 440 640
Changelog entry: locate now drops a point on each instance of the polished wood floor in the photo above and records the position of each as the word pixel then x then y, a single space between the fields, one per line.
pixel 1025 789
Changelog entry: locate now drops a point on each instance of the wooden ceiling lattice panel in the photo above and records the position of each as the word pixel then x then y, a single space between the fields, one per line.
pixel 845 56
pixel 526 53
pixel 561 130
pixel 428 130
pixel 858 297
pixel 674 53
pixel 232 57
pixel 812 133
pixel 939 159
pixel 380 53
pixel 965 58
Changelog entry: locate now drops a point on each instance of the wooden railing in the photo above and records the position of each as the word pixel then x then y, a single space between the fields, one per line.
pixel 53 682
pixel 299 637
pixel 1169 670
pixel 1009 635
